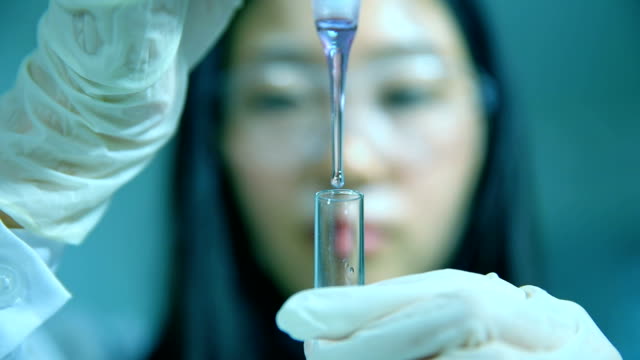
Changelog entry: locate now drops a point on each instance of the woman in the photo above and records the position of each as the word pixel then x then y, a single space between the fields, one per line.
pixel 425 144
pixel 103 92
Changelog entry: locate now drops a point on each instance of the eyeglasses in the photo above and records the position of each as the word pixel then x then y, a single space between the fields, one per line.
pixel 295 91
pixel 289 101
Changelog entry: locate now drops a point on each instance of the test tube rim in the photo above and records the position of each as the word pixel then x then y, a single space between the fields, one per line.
pixel 349 195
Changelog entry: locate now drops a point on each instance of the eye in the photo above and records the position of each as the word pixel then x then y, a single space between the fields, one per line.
pixel 274 102
pixel 404 98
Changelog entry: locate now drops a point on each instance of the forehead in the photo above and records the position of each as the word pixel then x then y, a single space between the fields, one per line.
pixel 271 28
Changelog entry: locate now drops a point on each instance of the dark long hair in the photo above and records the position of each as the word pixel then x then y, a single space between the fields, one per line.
pixel 224 306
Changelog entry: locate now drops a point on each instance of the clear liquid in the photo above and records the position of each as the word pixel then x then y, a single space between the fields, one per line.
pixel 336 36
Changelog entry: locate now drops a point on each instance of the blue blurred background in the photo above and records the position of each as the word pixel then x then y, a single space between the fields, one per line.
pixel 573 76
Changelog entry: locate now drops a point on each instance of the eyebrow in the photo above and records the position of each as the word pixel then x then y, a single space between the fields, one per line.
pixel 290 53
pixel 402 50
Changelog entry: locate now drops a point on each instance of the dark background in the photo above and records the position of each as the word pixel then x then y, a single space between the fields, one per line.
pixel 573 71
pixel 573 76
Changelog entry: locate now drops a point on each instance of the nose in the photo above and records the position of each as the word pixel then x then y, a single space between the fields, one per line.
pixel 360 161
pixel 365 150
pixel 364 158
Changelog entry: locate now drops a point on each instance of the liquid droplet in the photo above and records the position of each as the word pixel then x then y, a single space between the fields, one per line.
pixel 337 180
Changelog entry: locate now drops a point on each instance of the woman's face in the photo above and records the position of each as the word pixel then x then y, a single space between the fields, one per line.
pixel 414 135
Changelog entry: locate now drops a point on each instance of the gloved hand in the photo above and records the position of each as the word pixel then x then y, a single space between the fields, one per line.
pixel 444 314
pixel 101 94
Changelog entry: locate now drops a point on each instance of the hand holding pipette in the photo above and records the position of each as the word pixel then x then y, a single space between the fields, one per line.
pixel 336 9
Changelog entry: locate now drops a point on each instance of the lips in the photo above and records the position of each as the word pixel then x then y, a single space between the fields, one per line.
pixel 373 239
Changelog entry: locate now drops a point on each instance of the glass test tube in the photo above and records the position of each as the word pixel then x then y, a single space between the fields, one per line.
pixel 339 238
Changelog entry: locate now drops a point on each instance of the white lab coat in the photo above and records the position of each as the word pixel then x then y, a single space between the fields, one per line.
pixel 79 123
pixel 92 104
pixel 30 293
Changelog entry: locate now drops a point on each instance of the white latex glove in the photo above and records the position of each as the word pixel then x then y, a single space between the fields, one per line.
pixel 445 314
pixel 99 96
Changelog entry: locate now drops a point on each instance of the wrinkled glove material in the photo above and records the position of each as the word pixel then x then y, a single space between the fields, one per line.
pixel 444 314
pixel 94 102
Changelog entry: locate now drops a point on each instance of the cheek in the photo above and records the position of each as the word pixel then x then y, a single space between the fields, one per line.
pixel 245 169
pixel 270 200
pixel 256 159
pixel 266 182
pixel 270 169
pixel 255 179
pixel 441 154
pixel 441 187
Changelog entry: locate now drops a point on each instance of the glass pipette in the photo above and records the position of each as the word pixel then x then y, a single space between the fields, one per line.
pixel 336 23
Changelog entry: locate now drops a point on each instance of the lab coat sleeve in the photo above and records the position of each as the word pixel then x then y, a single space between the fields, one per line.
pixel 101 94
pixel 29 291
pixel 91 105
